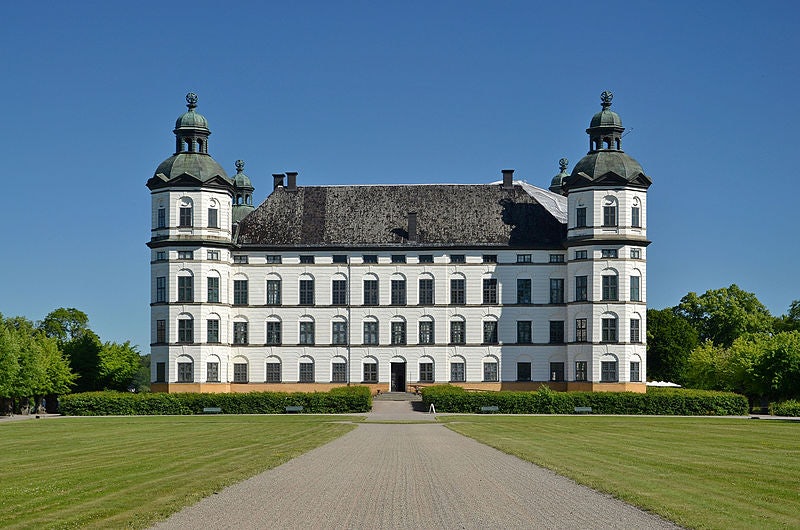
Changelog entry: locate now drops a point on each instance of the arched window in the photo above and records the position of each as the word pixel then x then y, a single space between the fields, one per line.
pixel 240 370
pixel 185 217
pixel 458 330
pixel 491 371
pixel 371 334
pixel 185 329
pixel 339 370
pixel 609 369
pixel 274 331
pixel 610 211
pixel 427 333
pixel 212 369
pixel 213 214
pixel 371 289
pixel 185 369
pixel 273 369
pixel 458 369
pixel 370 365
pixel 306 370
pixel 426 370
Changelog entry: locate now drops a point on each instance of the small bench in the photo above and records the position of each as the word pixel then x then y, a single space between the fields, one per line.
pixel 211 410
pixel 583 410
pixel 294 409
pixel 491 408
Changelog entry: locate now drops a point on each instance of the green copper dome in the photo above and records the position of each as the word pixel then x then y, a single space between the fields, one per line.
pixel 240 180
pixel 198 165
pixel 191 119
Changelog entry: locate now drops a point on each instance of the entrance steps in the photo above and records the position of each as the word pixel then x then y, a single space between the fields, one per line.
pixel 397 396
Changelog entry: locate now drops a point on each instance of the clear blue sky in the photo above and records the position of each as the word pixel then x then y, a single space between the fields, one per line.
pixel 401 92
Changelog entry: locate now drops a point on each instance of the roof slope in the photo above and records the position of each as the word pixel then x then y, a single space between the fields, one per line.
pixel 447 215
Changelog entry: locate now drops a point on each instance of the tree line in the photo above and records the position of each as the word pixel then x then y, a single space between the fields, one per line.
pixel 726 339
pixel 58 355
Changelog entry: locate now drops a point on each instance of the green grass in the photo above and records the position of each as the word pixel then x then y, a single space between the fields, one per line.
pixel 697 472
pixel 130 472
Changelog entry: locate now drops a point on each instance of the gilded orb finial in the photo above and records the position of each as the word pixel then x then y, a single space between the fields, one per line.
pixel 563 163
pixel 191 100
pixel 239 166
pixel 606 98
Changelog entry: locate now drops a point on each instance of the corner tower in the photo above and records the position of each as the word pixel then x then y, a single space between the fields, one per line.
pixel 606 240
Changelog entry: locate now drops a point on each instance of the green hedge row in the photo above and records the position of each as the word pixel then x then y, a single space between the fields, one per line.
pixel 657 401
pixel 338 400
pixel 786 408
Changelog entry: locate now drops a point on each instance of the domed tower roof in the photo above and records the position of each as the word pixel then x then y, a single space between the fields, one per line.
pixel 191 159
pixel 242 193
pixel 558 181
pixel 606 163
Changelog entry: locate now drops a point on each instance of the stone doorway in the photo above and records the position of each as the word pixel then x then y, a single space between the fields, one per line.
pixel 398 377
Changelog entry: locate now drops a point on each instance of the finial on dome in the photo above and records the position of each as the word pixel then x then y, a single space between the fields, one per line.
pixel 191 100
pixel 606 98
pixel 239 166
pixel 562 164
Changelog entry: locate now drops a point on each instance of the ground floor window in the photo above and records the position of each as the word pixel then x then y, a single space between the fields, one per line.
pixel 306 372
pixel 240 372
pixel 185 373
pixel 523 371
pixel 635 377
pixel 371 372
pixel 581 371
pixel 490 372
pixel 212 372
pixel 426 372
pixel 457 372
pixel 339 373
pixel 608 372
pixel 161 372
pixel 556 371
pixel 273 372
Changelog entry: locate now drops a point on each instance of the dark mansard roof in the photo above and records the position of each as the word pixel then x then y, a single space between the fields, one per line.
pixel 377 216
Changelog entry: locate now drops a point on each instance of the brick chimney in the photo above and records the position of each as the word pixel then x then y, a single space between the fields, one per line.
pixel 291 181
pixel 508 179
pixel 277 180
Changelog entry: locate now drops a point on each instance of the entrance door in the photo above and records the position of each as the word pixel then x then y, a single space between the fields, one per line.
pixel 398 383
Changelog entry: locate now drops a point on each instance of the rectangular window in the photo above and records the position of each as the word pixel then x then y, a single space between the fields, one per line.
pixel 306 259
pixel 273 372
pixel 426 372
pixel 457 372
pixel 185 373
pixel 340 258
pixel 212 372
pixel 370 292
pixel 240 332
pixel 339 333
pixel 556 332
pixel 339 373
pixel 306 333
pixel 426 291
pixel 274 259
pixel 635 336
pixel 339 292
pixel 306 372
pixel 240 259
pixel 636 253
pixel 490 258
pixel 490 372
pixel 398 258
pixel 240 292
pixel 490 332
pixel 609 330
pixel 161 222
pixel 161 372
pixel 524 258
pixel 398 332
pixel 556 258
pixel 370 258
pixel 609 253
pixel 556 372
pixel 609 216
pixel 581 330
pixel 273 292
pixel 161 331
pixel 213 289
pixel 185 254
pixel 635 375
pixel 161 256
pixel 426 334
pixel 161 289
pixel 306 292
pixel 371 333
pixel 186 330
pixel 458 258
pixel 185 289
pixel 458 332
pixel 426 258
pixel 274 333
pixel 212 330
pixel 371 372
pixel 458 291
pixel 608 372
pixel 398 292
pixel 635 289
pixel 581 288
pixel 524 332
pixel 185 219
pixel 581 372
pixel 523 371
pixel 556 290
pixel 635 222
pixel 490 291
pixel 213 221
pixel 523 290
pixel 240 372
pixel 610 291
pixel 212 255
pixel 581 254
pixel 580 217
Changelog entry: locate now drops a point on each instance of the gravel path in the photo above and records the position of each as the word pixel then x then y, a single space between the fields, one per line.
pixel 409 476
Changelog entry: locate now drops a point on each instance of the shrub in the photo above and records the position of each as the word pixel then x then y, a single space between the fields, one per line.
pixel 338 400
pixel 785 408
pixel 679 402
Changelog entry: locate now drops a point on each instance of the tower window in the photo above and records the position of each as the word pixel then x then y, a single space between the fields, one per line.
pixel 610 215
pixel 161 221
pixel 580 217
pixel 213 218
pixel 185 216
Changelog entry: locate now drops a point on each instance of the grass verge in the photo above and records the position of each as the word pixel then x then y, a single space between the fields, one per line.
pixel 132 471
pixel 697 472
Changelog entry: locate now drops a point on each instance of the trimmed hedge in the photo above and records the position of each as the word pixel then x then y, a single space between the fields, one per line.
pixel 337 401
pixel 786 408
pixel 657 401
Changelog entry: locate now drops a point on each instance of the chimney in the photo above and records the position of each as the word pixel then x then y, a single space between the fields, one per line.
pixel 508 179
pixel 277 180
pixel 412 226
pixel 291 181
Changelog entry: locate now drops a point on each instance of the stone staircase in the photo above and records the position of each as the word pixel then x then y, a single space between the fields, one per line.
pixel 397 396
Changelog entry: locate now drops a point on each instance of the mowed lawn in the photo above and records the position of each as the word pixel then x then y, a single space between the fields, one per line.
pixel 697 472
pixel 129 472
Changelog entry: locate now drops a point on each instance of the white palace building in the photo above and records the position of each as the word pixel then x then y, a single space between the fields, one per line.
pixel 488 286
